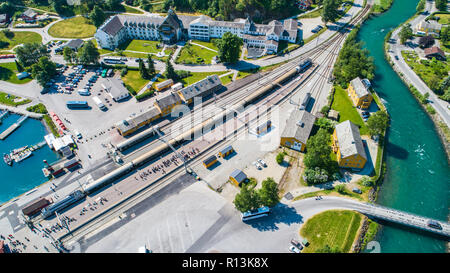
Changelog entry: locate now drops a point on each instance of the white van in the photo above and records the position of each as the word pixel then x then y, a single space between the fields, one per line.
pixel 99 103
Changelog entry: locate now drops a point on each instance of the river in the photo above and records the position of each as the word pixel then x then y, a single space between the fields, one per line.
pixel 417 177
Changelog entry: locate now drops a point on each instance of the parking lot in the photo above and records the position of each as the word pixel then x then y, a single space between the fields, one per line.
pixel 95 125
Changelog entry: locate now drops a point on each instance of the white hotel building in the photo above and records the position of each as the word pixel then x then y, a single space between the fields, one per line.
pixel 173 28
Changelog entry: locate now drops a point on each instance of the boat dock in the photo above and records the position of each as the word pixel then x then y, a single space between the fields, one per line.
pixel 3 114
pixel 20 111
pixel 13 127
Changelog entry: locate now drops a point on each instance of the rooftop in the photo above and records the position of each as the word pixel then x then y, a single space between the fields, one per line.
pixel 360 88
pixel 299 125
pixel 349 140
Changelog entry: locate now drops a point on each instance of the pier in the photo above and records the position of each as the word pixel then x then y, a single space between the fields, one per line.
pixel 12 128
pixel 22 112
pixel 3 114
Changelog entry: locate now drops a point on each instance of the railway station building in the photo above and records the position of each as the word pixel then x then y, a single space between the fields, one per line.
pixel 348 146
pixel 297 130
pixel 359 94
pixel 202 88
pixel 132 124
pixel 167 102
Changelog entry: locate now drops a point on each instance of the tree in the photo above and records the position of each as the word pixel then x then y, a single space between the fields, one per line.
pixel 377 123
pixel 113 4
pixel 69 55
pixel 170 71
pixel 325 123
pixel 441 5
pixel 97 16
pixel 268 194
pixel 445 34
pixel 43 70
pixel 143 70
pixel 247 199
pixel 426 41
pixel 151 65
pixel 341 188
pixel 420 6
pixel 280 157
pixel 8 33
pixel 19 66
pixel 330 10
pixel 353 61
pixel 88 53
pixel 318 150
pixel 29 53
pixel 328 249
pixel 405 33
pixel 229 47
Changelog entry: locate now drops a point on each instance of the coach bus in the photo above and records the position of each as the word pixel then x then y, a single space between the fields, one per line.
pixel 77 104
pixel 256 213
pixel 113 60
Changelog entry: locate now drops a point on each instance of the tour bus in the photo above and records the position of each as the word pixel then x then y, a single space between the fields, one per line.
pixel 77 104
pixel 113 60
pixel 256 213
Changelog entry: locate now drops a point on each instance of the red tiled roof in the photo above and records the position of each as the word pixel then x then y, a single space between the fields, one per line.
pixel 434 50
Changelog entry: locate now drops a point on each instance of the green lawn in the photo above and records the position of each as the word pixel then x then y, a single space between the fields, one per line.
pixel 382 5
pixel 8 73
pixel 133 80
pixel 77 27
pixel 193 54
pixel 347 111
pixel 141 46
pixel 335 228
pixel 8 99
pixel 20 37
pixel 226 79
pixel 207 44
pixel 132 10
pixel 197 76
pixel 425 69
pixel 443 18
pixel 313 14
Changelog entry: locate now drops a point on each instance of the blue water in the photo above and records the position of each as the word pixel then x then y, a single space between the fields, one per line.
pixel 25 175
pixel 418 175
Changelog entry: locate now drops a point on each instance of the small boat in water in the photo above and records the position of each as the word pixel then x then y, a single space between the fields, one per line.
pixel 7 159
pixel 22 155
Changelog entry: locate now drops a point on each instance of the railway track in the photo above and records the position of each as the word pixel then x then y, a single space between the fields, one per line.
pixel 143 193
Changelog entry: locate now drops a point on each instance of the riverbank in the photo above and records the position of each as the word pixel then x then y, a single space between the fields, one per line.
pixel 439 124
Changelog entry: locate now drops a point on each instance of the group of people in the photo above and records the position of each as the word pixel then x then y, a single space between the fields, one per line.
pixel 93 206
pixel 166 163
pixel 16 243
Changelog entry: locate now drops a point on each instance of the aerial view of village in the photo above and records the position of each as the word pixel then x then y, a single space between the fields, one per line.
pixel 224 126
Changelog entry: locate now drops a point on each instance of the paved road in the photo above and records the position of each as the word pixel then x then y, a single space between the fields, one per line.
pixel 396 48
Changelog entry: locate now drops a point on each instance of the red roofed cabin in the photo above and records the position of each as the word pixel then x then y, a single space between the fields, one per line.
pixel 29 16
pixel 435 52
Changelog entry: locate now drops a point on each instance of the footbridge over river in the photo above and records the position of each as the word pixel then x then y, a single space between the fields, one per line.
pixel 403 218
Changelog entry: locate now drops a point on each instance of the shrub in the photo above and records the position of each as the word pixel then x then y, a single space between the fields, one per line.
pixel 280 157
pixel 145 95
pixel 38 108
pixel 124 71
pixel 341 189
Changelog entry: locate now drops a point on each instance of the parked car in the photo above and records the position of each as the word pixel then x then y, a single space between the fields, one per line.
pixel 396 57
pixel 262 162
pixel 294 249
pixel 257 165
pixel 296 244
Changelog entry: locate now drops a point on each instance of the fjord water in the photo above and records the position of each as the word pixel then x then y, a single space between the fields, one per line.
pixel 23 176
pixel 418 174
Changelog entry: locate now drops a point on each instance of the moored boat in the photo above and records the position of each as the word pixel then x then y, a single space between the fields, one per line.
pixel 7 159
pixel 21 156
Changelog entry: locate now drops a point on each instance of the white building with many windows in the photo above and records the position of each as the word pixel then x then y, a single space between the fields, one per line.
pixel 173 28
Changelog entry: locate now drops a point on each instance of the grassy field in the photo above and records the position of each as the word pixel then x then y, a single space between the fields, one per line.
pixel 335 228
pixel 132 10
pixel 226 79
pixel 20 37
pixel 8 73
pixel 77 27
pixel 382 5
pixel 312 37
pixel 193 54
pixel 8 99
pixel 197 76
pixel 141 46
pixel 425 69
pixel 207 44
pixel 313 14
pixel 133 80
pixel 443 18
pixel 347 111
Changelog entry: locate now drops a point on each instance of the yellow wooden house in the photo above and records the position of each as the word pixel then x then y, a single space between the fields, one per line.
pixel 359 94
pixel 348 146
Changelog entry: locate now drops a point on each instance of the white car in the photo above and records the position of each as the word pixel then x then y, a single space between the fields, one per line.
pixel 294 249
pixel 262 162
pixel 257 165
pixel 78 134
